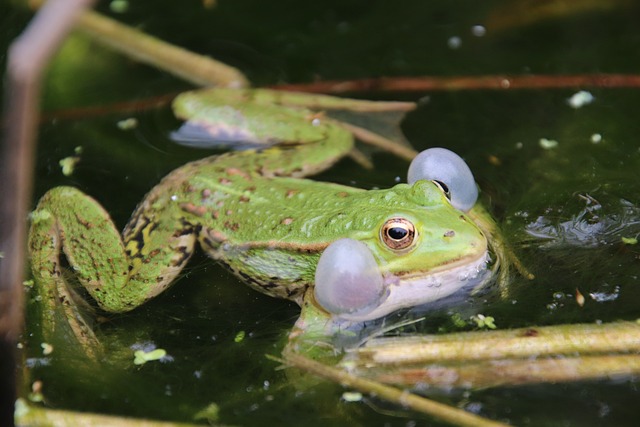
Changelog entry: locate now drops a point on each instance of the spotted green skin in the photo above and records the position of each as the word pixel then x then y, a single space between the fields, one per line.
pixel 252 211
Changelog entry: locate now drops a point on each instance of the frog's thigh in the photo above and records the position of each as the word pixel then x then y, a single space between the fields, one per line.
pixel 158 248
pixel 67 219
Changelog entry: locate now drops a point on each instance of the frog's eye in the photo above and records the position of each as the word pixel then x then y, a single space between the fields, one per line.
pixel 443 187
pixel 398 233
pixel 449 172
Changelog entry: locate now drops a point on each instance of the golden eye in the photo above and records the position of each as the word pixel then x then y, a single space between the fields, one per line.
pixel 398 233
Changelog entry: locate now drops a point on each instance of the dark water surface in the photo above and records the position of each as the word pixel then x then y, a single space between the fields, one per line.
pixel 565 209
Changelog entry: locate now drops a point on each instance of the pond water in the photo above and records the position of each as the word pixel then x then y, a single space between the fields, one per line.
pixel 565 208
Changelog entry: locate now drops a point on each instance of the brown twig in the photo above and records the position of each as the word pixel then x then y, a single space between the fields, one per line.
pixel 124 107
pixel 387 84
pixel 28 56
pixel 455 83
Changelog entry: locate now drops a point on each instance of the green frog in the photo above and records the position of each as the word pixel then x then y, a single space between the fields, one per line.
pixel 342 253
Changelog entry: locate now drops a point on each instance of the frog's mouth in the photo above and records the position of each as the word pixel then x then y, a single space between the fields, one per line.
pixel 419 288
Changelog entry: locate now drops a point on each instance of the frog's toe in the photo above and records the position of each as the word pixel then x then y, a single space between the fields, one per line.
pixel 348 280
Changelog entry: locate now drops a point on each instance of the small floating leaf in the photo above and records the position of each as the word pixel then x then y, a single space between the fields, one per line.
pixel 47 348
pixel 352 396
pixel 36 395
pixel 239 336
pixel 483 321
pixel 458 321
pixel 580 99
pixel 630 240
pixel 579 298
pixel 141 357
pixel 548 144
pixel 127 124
pixel 68 165
pixel 210 413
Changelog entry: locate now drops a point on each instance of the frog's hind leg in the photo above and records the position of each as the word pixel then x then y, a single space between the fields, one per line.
pixel 66 221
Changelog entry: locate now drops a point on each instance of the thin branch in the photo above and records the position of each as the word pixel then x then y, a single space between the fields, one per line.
pixel 387 84
pixel 27 59
pixel 501 344
pixel 379 141
pixel 35 416
pixel 455 83
pixel 507 372
pixel 197 69
pixel 403 398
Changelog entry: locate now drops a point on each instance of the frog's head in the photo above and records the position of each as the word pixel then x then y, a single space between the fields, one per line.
pixel 424 248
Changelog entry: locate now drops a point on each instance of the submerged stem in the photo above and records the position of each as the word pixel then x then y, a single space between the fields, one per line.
pixel 509 372
pixel 197 69
pixel 403 398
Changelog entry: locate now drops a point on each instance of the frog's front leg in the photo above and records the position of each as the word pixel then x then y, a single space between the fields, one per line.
pixel 119 274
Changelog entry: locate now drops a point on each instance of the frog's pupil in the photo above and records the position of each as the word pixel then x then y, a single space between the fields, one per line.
pixel 443 186
pixel 397 233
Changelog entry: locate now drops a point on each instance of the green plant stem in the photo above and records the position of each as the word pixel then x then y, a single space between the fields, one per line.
pixel 197 69
pixel 403 398
pixel 379 141
pixel 508 372
pixel 33 416
pixel 515 343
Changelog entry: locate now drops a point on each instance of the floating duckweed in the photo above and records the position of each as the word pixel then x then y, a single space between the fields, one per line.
pixel 454 42
pixel 141 357
pixel 580 99
pixel 68 165
pixel 352 396
pixel 478 30
pixel 458 321
pixel 629 240
pixel 47 348
pixel 483 321
pixel 548 144
pixel 239 336
pixel 127 124
pixel 210 413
